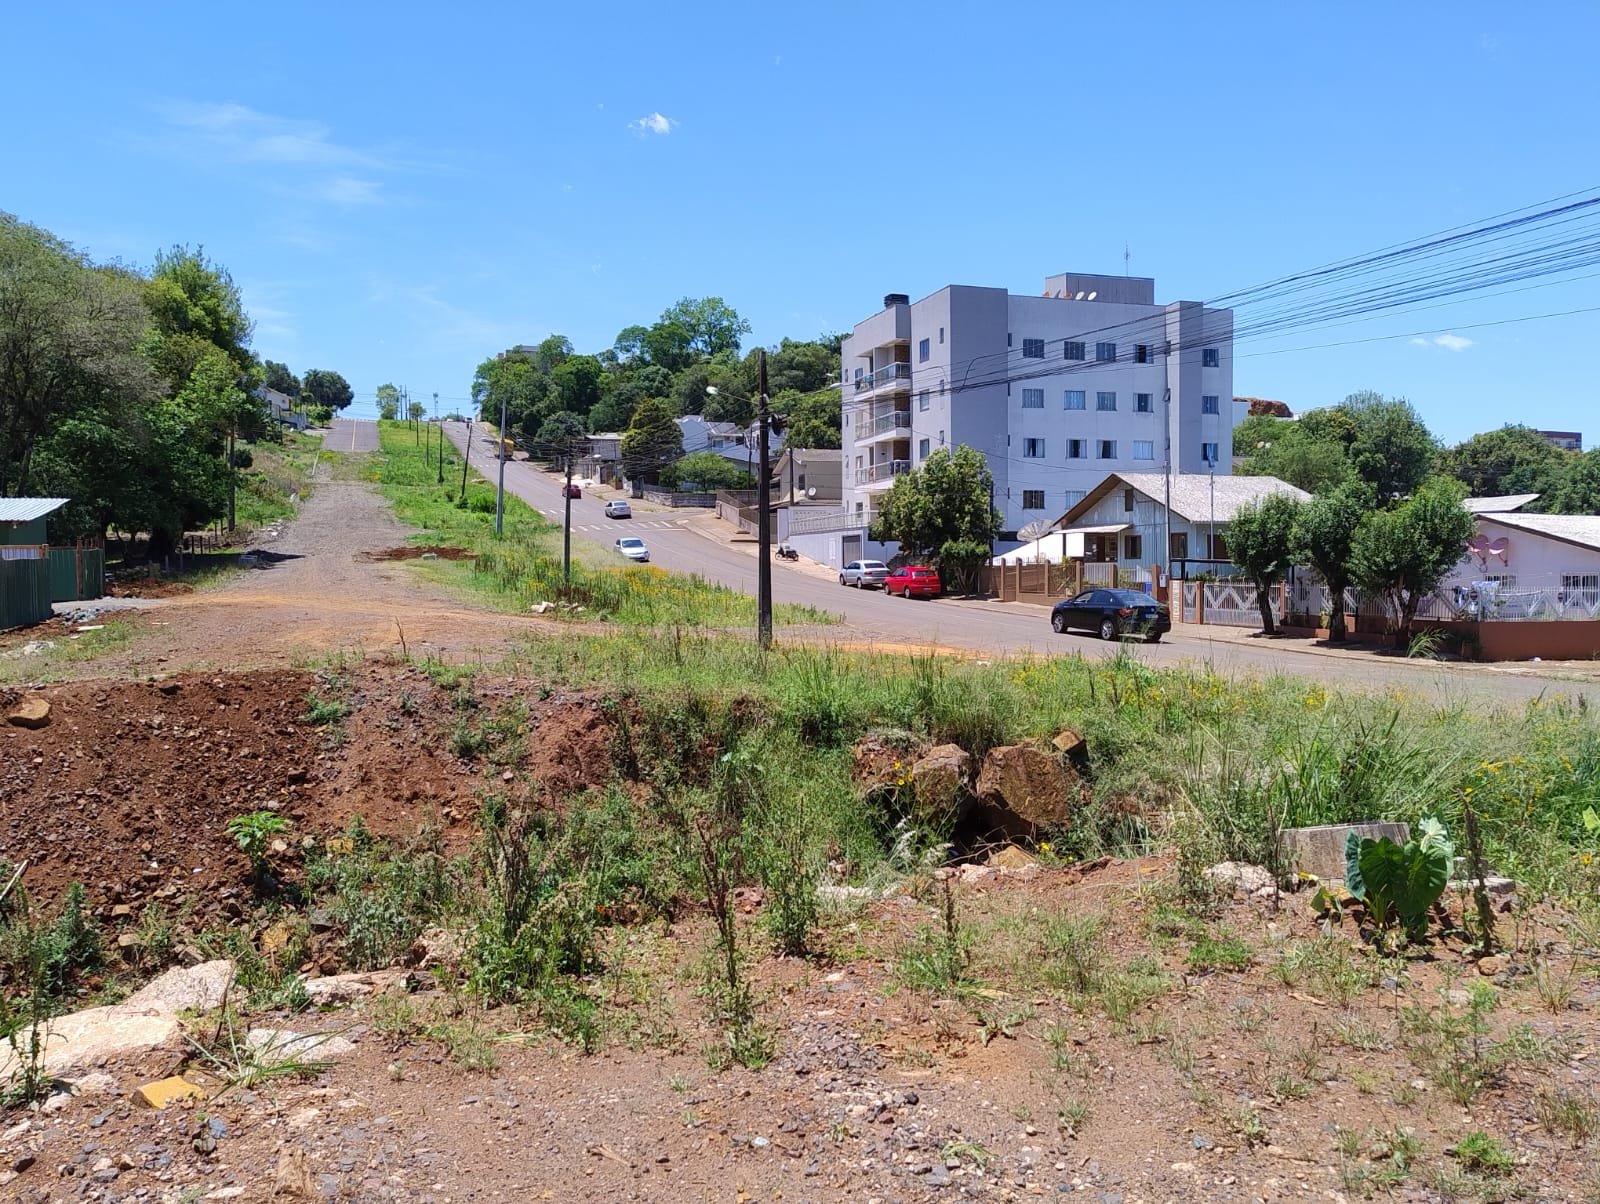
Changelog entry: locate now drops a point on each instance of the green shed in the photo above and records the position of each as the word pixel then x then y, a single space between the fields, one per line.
pixel 25 585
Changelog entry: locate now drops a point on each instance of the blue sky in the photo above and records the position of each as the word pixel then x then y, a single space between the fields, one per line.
pixel 402 190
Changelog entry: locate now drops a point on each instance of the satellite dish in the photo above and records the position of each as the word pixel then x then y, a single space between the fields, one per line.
pixel 1079 297
pixel 1092 296
pixel 1037 529
pixel 1500 549
pixel 811 491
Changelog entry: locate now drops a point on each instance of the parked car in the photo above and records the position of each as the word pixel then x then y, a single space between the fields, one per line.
pixel 1113 613
pixel 633 548
pixel 864 574
pixel 618 508
pixel 572 490
pixel 913 581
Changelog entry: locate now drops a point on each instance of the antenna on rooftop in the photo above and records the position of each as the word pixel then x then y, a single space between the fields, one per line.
pixel 1127 258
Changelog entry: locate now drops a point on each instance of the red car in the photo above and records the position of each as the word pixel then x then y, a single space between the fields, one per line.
pixel 913 581
pixel 571 491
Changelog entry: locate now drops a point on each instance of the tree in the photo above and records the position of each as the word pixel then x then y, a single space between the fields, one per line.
pixel 560 437
pixel 196 307
pixel 277 376
pixel 667 345
pixel 1324 530
pixel 551 353
pixel 1513 459
pixel 629 347
pixel 1578 490
pixel 579 382
pixel 388 402
pixel 800 367
pixel 706 471
pixel 414 412
pixel 813 417
pixel 942 510
pixel 1392 450
pixel 1405 552
pixel 1307 453
pixel 328 389
pixel 1261 543
pixel 652 441
pixel 712 324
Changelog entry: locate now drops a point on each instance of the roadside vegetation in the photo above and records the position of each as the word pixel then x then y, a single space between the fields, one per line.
pixel 524 568
pixel 274 477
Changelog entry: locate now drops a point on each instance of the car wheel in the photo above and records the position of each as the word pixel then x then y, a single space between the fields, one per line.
pixel 1108 629
pixel 1058 623
pixel 841 578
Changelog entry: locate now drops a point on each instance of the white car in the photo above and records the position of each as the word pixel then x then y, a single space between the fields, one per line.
pixel 633 548
pixel 618 508
pixel 864 574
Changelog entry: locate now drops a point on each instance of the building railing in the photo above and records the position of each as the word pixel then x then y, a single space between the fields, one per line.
pixel 889 372
pixel 882 471
pixel 898 420
pixel 801 523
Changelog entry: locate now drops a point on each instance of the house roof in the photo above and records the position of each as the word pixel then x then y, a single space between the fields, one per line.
pixel 1499 505
pixel 1581 530
pixel 26 509
pixel 1196 496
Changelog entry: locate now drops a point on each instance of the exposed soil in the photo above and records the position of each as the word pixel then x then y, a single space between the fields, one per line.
pixel 128 787
pixel 438 552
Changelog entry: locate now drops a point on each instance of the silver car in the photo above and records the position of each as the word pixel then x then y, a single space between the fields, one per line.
pixel 633 548
pixel 864 574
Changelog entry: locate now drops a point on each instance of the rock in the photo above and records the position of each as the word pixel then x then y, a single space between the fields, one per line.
pixel 940 783
pixel 282 1043
pixel 275 938
pixel 1496 887
pixel 96 1083
pixel 31 712
pixel 347 988
pixel 1071 745
pixel 1320 850
pixel 165 1091
pixel 199 988
pixel 542 608
pixel 1489 967
pixel 295 777
pixel 294 1181
pixel 435 947
pixel 1022 789
pixel 1010 857
pixel 883 760
pixel 1242 879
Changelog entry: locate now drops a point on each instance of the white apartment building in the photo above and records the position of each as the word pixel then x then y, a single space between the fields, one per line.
pixel 1089 378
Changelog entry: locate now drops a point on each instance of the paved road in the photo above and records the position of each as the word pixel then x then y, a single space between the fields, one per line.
pixel 699 544
pixel 352 435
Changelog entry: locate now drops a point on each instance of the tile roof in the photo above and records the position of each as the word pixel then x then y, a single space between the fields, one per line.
pixel 1580 529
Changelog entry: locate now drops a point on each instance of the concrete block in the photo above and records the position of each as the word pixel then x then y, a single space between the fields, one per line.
pixel 166 1091
pixel 1320 850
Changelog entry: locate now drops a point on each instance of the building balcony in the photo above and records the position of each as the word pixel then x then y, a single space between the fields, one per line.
pixel 881 473
pixel 894 425
pixel 896 375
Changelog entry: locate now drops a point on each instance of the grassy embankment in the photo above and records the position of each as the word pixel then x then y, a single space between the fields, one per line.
pixel 524 567
pixel 279 473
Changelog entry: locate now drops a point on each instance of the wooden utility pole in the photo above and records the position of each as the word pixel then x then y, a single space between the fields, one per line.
pixel 466 459
pixel 441 459
pixel 566 531
pixel 500 491
pixel 764 520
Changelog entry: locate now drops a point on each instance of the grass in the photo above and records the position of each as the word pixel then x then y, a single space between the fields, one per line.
pixel 524 566
pixel 279 473
pixel 55 663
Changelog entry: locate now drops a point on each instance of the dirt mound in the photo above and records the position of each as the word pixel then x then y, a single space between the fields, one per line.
pixel 129 787
pixel 438 551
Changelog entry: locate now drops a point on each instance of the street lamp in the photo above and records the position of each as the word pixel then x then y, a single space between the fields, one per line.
pixel 766 421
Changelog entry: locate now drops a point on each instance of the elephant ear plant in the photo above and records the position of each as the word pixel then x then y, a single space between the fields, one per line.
pixel 1398 883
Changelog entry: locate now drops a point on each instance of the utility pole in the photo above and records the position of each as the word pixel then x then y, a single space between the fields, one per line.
pixel 566 530
pixel 233 474
pixel 1166 504
pixel 500 493
pixel 764 521
pixel 440 457
pixel 466 461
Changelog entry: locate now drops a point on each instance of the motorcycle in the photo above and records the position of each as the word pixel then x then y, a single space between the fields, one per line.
pixel 785 552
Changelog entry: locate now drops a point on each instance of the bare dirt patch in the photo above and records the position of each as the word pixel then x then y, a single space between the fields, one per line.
pixel 436 551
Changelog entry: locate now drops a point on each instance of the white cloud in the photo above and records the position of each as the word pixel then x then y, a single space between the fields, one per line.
pixel 347 190
pixel 655 123
pixel 1449 342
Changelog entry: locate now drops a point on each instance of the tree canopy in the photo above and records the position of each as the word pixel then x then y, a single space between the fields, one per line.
pixel 1323 534
pixel 652 441
pixel 943 510
pixel 328 389
pixel 1404 552
pixel 1261 543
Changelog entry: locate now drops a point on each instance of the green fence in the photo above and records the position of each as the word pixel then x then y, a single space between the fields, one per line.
pixel 77 573
pixel 24 592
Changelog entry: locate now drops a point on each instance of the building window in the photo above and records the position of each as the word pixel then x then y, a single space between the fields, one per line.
pixel 1210 357
pixel 941 438
pixel 1209 404
pixel 941 336
pixel 1033 499
pixel 1072 351
pixel 1072 400
pixel 922 352
pixel 1219 546
pixel 922 401
pixel 1127 501
pixel 1077 449
pixel 1132 547
pixel 1033 449
pixel 1178 545
pixel 1033 399
pixel 1074 496
pixel 1142 403
pixel 1581 588
pixel 1144 449
pixel 1141 353
pixel 1208 453
pixel 1105 401
pixel 1008 338
pixel 922 449
pixel 1108 449
pixel 860 372
pixel 1033 349
pixel 1105 353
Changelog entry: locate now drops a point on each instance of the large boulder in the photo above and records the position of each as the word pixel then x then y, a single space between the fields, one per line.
pixel 882 760
pixel 1022 789
pixel 941 784
pixel 31 712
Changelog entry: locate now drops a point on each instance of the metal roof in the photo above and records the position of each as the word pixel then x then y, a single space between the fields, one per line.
pixel 1499 505
pixel 26 509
